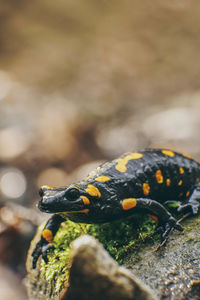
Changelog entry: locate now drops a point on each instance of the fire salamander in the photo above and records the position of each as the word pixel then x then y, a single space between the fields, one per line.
pixel 135 182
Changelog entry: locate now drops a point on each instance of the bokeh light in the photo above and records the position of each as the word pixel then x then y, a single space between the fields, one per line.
pixel 52 177
pixel 13 143
pixel 12 183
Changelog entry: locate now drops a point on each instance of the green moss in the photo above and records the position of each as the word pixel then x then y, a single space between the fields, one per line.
pixel 118 238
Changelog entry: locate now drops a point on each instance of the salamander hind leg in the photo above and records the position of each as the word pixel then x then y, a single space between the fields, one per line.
pixel 166 222
pixel 192 202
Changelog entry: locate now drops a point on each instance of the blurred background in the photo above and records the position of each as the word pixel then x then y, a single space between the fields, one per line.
pixel 82 82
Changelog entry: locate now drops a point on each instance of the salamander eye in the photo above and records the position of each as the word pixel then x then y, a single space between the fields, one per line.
pixel 72 194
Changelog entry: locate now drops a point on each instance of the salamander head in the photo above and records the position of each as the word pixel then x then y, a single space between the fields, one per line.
pixel 71 199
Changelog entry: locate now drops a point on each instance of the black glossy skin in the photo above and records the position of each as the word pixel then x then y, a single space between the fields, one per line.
pixel 126 181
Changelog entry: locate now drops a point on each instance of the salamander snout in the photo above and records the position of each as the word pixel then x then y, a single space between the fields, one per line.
pixel 60 199
pixel 49 198
pixel 44 189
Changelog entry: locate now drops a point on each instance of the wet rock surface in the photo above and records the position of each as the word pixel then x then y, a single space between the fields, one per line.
pixel 173 272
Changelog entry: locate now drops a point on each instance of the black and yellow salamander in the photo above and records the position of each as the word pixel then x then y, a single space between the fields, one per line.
pixel 135 182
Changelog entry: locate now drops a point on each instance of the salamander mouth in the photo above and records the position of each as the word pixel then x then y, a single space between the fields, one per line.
pixel 43 207
pixel 59 207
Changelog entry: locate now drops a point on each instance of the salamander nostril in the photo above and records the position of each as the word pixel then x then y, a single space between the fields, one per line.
pixel 41 192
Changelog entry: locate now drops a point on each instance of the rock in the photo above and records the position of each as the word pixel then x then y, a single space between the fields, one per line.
pixel 95 275
pixel 172 272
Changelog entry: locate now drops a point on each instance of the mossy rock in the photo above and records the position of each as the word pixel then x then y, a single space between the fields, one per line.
pixel 131 242
pixel 119 238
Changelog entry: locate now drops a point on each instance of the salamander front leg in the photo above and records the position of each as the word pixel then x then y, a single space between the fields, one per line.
pixel 166 221
pixel 192 203
pixel 45 242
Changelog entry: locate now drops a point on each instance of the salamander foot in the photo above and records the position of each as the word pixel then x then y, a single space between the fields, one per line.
pixel 41 248
pixel 167 227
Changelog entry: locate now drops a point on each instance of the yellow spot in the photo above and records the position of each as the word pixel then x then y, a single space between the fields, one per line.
pixel 198 181
pixel 187 156
pixel 102 178
pixel 146 189
pixel 129 203
pixel 168 182
pixel 47 187
pixel 78 211
pixel 134 155
pixel 86 201
pixel 159 176
pixel 47 235
pixel 122 162
pixel 180 182
pixel 93 191
pixel 188 194
pixel 121 165
pixel 74 187
pixel 153 218
pixel 181 170
pixel 168 152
